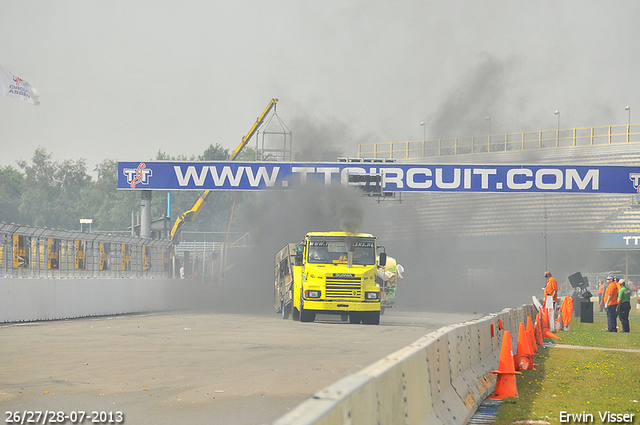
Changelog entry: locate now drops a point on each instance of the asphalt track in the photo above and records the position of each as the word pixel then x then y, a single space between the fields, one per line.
pixel 191 367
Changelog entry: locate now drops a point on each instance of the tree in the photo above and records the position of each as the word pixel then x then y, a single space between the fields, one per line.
pixel 109 207
pixel 11 183
pixel 53 192
pixel 214 153
pixel 57 194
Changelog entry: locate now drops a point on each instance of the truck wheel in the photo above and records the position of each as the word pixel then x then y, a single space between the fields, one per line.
pixel 296 314
pixel 371 318
pixel 355 318
pixel 344 317
pixel 306 315
pixel 381 311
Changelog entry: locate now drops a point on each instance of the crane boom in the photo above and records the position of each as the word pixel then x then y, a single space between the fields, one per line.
pixel 191 214
pixel 253 130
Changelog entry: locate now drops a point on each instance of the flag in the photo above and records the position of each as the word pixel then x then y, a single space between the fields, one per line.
pixel 16 87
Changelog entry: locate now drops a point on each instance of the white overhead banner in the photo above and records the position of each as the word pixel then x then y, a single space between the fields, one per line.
pixel 395 177
pixel 14 86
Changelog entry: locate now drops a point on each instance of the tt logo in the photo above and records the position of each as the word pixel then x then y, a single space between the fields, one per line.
pixel 635 178
pixel 138 175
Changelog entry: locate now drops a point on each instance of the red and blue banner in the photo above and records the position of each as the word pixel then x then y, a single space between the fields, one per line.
pixel 396 177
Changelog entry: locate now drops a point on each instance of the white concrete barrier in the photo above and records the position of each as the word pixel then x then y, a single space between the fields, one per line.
pixel 440 379
pixel 23 299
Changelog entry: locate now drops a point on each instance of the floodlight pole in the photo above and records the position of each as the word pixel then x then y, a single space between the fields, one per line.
pixel 628 108
pixel 557 112
pixel 424 135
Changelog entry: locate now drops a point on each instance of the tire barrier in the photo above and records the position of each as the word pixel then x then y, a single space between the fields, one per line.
pixel 442 378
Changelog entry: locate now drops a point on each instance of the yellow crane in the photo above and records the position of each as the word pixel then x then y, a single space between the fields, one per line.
pixel 190 215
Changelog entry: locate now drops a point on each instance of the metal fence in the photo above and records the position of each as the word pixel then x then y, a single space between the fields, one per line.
pixel 49 253
pixel 588 136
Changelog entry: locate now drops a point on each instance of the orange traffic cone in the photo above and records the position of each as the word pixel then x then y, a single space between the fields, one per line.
pixel 524 356
pixel 538 330
pixel 548 334
pixel 532 338
pixel 506 383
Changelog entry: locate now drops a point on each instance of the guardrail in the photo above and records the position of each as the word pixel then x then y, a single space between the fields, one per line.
pixel 35 252
pixel 502 142
pixel 440 379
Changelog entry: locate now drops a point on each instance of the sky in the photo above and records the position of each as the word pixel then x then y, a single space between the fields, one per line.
pixel 126 79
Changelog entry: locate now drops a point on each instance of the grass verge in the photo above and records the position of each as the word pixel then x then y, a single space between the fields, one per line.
pixel 580 381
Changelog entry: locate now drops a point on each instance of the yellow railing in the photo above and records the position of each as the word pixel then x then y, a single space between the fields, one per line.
pixel 587 136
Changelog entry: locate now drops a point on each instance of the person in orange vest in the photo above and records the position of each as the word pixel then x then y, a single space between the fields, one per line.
pixel 601 294
pixel 551 288
pixel 611 305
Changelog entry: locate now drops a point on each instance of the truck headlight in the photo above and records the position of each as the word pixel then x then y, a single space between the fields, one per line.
pixel 312 294
pixel 372 295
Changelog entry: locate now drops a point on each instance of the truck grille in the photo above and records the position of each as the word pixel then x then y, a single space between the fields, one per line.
pixel 344 288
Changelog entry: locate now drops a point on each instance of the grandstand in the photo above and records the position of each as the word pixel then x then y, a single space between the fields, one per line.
pixel 482 214
pixel 438 214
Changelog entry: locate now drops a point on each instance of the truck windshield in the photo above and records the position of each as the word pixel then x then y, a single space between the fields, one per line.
pixel 334 250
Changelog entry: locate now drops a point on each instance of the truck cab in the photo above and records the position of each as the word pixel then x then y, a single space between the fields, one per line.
pixel 330 273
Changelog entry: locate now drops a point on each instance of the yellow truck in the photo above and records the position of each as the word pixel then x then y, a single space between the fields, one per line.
pixel 329 273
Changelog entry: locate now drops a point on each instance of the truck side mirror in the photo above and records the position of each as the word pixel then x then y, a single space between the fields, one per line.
pixel 298 258
pixel 383 259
